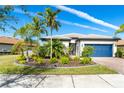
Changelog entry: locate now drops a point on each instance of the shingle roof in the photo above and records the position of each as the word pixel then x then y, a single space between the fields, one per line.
pixel 12 41
pixel 8 40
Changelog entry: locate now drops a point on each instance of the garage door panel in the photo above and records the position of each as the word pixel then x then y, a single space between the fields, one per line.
pixel 101 50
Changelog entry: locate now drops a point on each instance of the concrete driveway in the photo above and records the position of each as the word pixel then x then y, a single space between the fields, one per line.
pixel 62 81
pixel 115 63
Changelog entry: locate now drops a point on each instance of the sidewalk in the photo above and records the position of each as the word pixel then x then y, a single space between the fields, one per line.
pixel 62 81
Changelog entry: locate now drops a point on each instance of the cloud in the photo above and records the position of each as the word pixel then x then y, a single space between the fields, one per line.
pixel 64 22
pixel 82 26
pixel 84 15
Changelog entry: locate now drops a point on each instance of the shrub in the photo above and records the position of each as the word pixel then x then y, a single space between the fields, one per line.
pixel 40 51
pixel 19 58
pixel 57 46
pixel 39 60
pixel 86 60
pixel 34 57
pixel 64 60
pixel 90 59
pixel 22 61
pixel 87 51
pixel 76 59
pixel 53 60
pixel 120 52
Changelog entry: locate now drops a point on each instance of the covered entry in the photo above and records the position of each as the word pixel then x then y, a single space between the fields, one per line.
pixel 101 50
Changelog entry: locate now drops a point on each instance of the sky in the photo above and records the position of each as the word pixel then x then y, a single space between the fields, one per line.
pixel 83 19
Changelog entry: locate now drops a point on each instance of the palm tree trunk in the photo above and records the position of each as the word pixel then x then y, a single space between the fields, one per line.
pixel 38 45
pixel 27 55
pixel 51 44
pixel 22 52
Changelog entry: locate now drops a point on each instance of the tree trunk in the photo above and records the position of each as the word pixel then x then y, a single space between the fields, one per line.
pixel 51 44
pixel 27 55
pixel 22 52
pixel 38 46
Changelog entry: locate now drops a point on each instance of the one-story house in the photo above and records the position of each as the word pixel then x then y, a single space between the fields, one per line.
pixel 104 46
pixel 6 44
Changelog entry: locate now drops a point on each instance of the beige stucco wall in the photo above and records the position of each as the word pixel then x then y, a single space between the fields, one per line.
pixel 66 43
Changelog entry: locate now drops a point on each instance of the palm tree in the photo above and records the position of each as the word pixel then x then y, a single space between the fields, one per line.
pixel 18 47
pixel 58 48
pixel 120 30
pixel 51 22
pixel 38 28
pixel 26 33
pixel 31 30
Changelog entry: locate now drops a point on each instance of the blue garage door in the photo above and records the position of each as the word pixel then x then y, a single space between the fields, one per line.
pixel 101 50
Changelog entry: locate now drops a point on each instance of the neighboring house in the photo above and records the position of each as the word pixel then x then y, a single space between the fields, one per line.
pixel 6 44
pixel 104 46
pixel 120 43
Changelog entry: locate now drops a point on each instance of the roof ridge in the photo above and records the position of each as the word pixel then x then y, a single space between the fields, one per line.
pixel 99 34
pixel 10 37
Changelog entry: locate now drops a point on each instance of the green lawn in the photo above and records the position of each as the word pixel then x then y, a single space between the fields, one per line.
pixel 7 66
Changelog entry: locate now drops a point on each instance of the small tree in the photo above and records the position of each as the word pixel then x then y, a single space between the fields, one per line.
pixel 87 51
pixel 18 48
pixel 26 33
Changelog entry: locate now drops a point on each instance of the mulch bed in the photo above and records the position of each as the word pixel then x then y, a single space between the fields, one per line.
pixel 58 64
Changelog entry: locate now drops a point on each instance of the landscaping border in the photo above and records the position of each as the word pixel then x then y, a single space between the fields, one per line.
pixel 53 66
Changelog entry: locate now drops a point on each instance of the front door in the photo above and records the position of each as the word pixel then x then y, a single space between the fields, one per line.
pixel 72 47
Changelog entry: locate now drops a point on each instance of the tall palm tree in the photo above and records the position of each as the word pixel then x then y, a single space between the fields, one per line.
pixel 38 28
pixel 51 22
